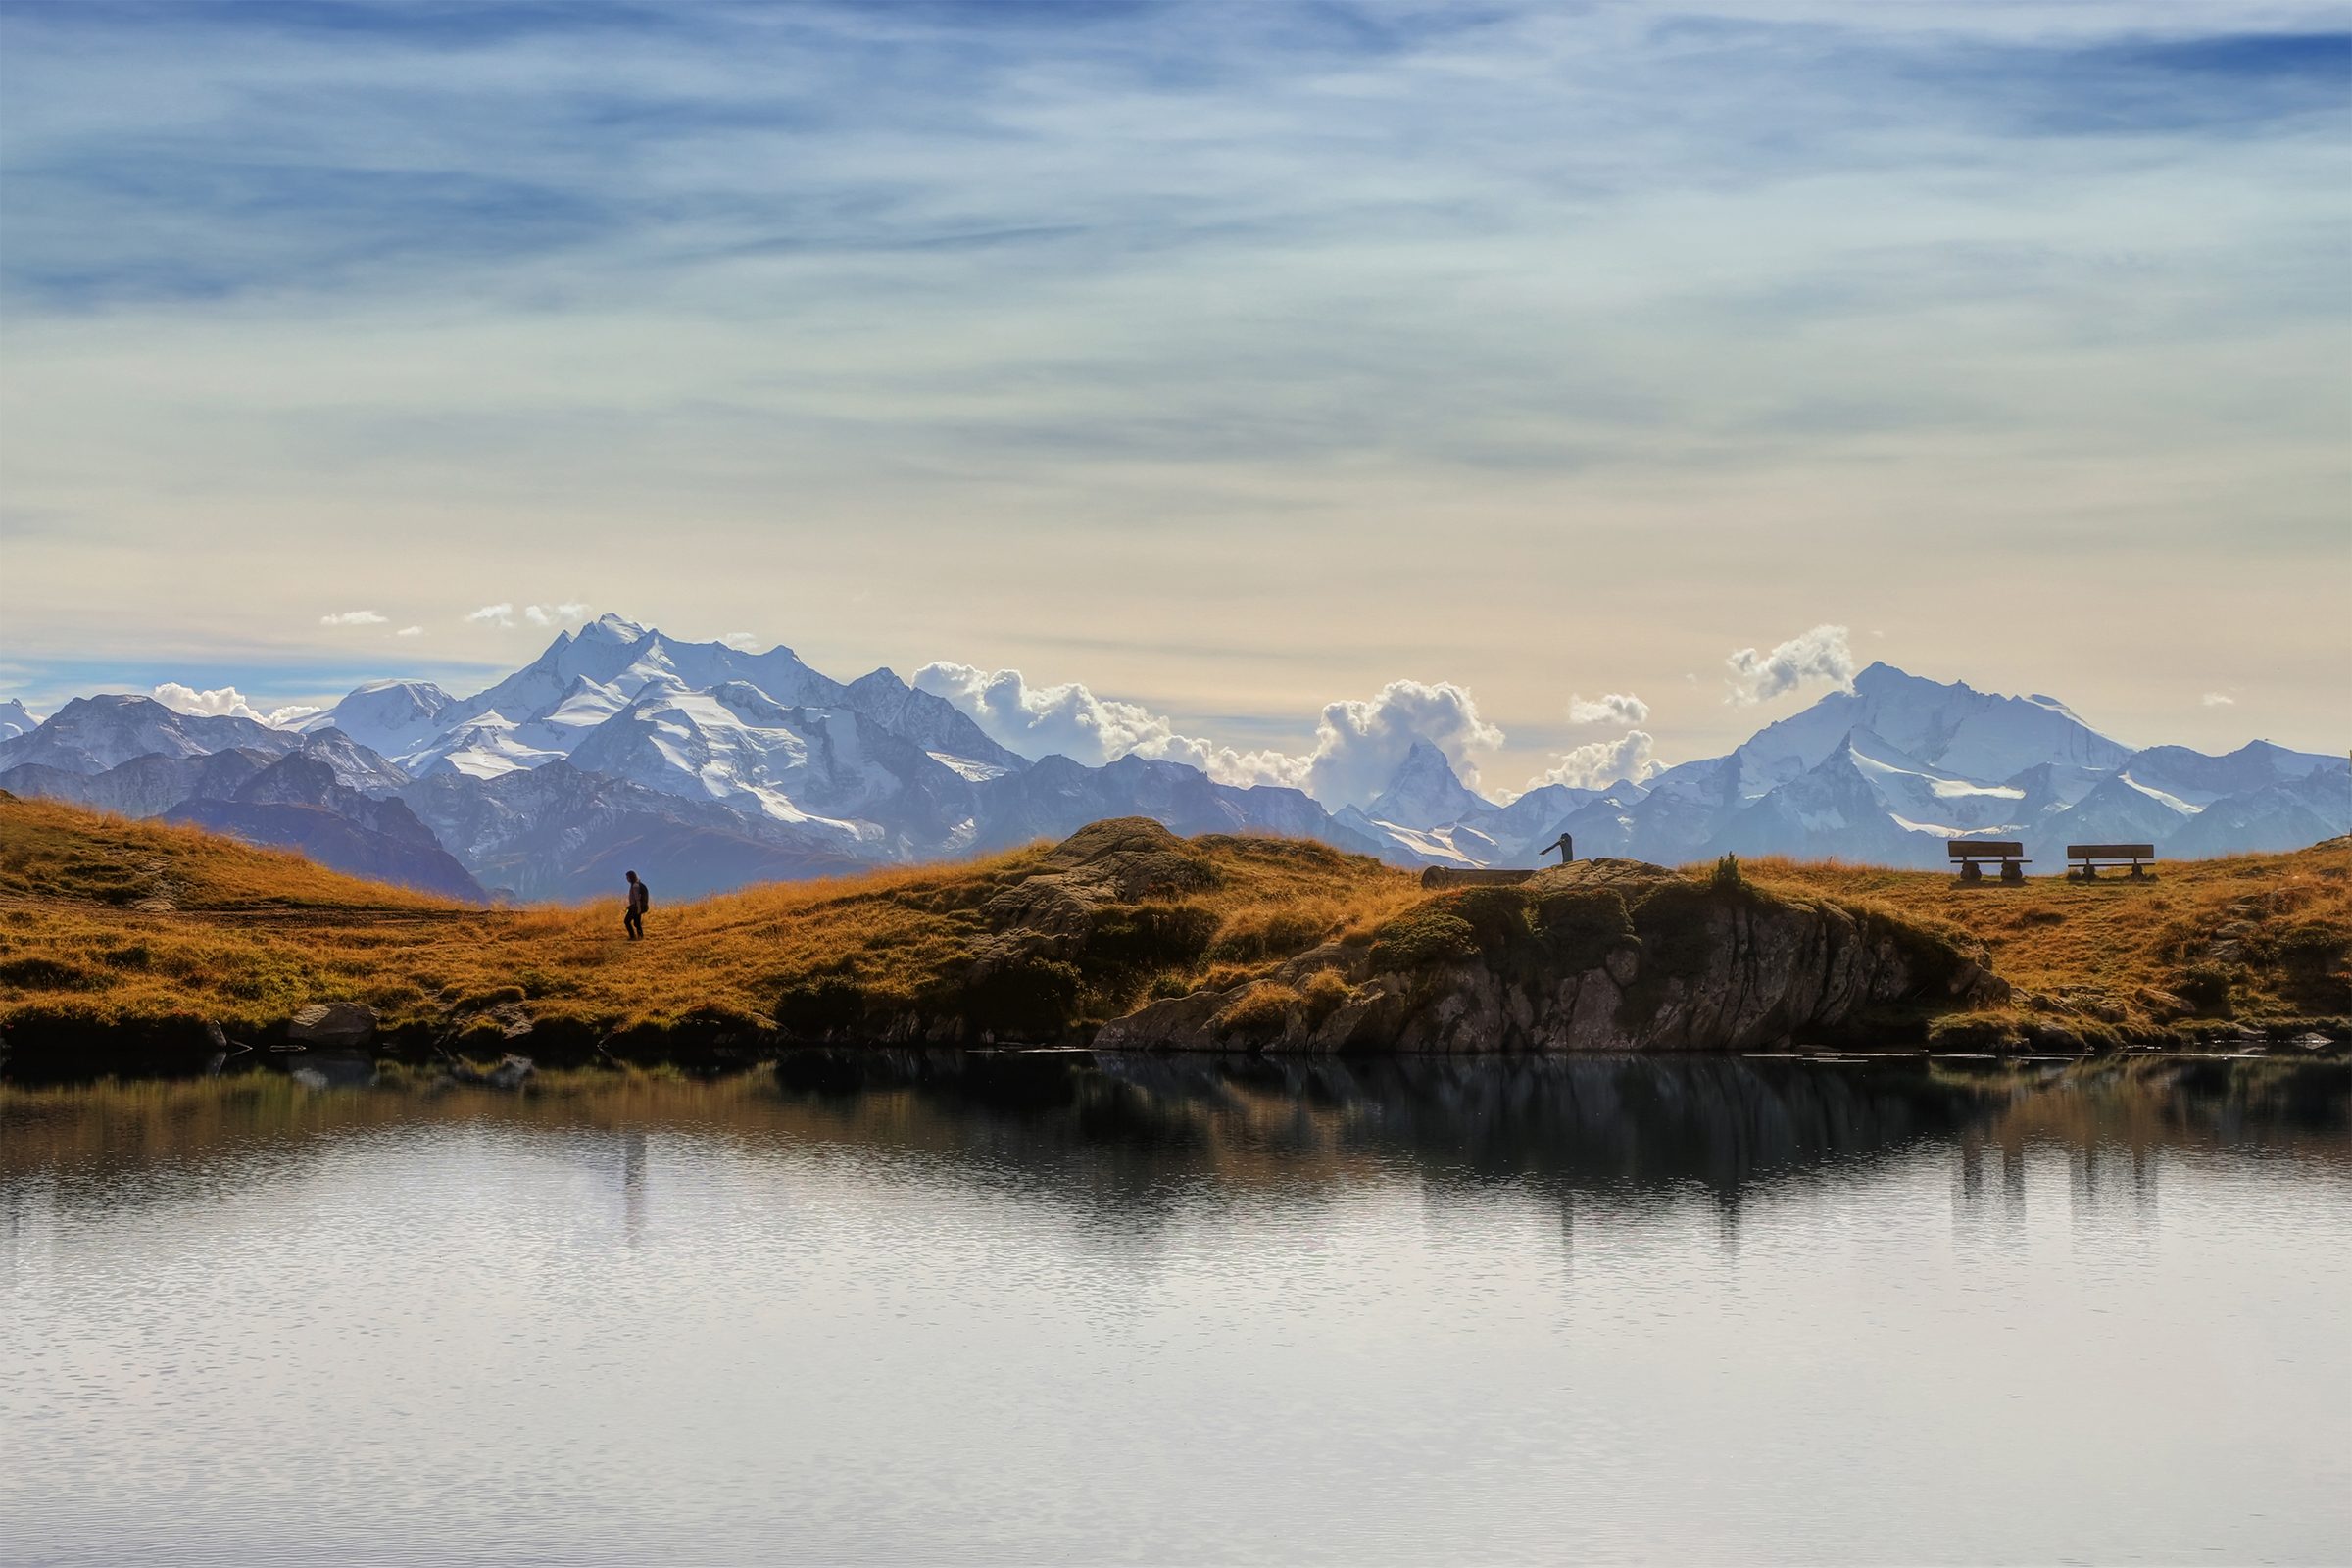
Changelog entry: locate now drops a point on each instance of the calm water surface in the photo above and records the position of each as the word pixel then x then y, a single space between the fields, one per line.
pixel 1029 1308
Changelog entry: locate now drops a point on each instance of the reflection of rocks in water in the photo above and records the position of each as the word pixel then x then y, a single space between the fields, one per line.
pixel 330 1069
pixel 1122 1139
pixel 1587 1121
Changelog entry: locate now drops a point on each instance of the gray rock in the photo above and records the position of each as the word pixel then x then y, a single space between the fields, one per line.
pixel 332 1023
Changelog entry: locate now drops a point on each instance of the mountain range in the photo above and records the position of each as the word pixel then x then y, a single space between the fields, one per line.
pixel 619 747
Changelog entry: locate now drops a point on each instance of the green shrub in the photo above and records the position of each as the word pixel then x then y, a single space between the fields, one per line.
pixel 1727 878
pixel 1149 936
pixel 1582 925
pixel 1423 935
pixel 39 973
pixel 1497 915
pixel 2312 946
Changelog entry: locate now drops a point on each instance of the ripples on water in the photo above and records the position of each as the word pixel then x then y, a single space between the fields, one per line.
pixel 1016 1309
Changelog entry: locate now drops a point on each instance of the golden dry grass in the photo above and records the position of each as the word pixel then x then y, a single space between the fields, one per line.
pixel 2256 937
pixel 255 934
pixel 251 935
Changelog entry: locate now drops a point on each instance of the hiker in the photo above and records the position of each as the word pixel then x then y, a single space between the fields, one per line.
pixel 640 901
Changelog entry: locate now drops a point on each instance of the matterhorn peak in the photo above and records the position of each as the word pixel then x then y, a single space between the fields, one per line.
pixel 1423 791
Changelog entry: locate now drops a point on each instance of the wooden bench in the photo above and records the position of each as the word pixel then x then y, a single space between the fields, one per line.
pixel 2008 854
pixel 2086 859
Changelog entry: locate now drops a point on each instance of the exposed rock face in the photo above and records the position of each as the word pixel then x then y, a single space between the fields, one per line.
pixel 1598 956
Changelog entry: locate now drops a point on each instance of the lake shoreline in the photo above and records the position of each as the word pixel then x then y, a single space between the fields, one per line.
pixel 182 1050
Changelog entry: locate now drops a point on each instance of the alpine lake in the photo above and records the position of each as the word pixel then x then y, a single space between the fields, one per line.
pixel 1060 1306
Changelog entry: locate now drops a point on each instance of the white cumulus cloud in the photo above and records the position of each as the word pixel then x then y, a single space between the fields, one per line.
pixel 1820 655
pixel 223 702
pixel 410 631
pixel 352 617
pixel 1599 763
pixel 552 615
pixel 2219 700
pixel 1358 742
pixel 500 615
pixel 1617 708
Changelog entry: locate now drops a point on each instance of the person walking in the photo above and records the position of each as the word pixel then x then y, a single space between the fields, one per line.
pixel 640 901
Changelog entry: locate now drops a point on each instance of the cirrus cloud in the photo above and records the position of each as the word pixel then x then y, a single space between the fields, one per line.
pixel 504 614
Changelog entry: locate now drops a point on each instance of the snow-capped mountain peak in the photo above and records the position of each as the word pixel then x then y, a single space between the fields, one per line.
pixel 1951 727
pixel 1425 792
pixel 726 766
pixel 16 719
pixel 609 629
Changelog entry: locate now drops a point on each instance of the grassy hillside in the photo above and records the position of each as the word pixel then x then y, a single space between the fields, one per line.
pixel 108 924
pixel 2255 938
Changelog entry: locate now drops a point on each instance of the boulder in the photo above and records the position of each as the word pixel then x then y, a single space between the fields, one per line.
pixel 332 1023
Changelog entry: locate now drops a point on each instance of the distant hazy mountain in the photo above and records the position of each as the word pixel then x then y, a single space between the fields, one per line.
pixel 91 734
pixel 705 767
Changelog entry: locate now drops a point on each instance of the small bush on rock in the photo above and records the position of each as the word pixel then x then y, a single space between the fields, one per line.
pixel 1425 935
pixel 1325 993
pixel 1263 1009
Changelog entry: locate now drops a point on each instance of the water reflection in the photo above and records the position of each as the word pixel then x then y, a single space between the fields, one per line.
pixel 891 1306
pixel 1143 1134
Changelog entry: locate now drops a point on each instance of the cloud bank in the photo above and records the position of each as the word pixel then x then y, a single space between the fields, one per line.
pixel 1358 742
pixel 223 702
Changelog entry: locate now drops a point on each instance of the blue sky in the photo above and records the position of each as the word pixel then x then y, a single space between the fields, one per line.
pixel 1229 359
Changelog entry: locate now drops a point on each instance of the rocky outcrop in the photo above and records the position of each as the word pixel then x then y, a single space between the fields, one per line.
pixel 1598 956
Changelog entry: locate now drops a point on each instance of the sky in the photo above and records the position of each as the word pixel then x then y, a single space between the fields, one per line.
pixel 1588 384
